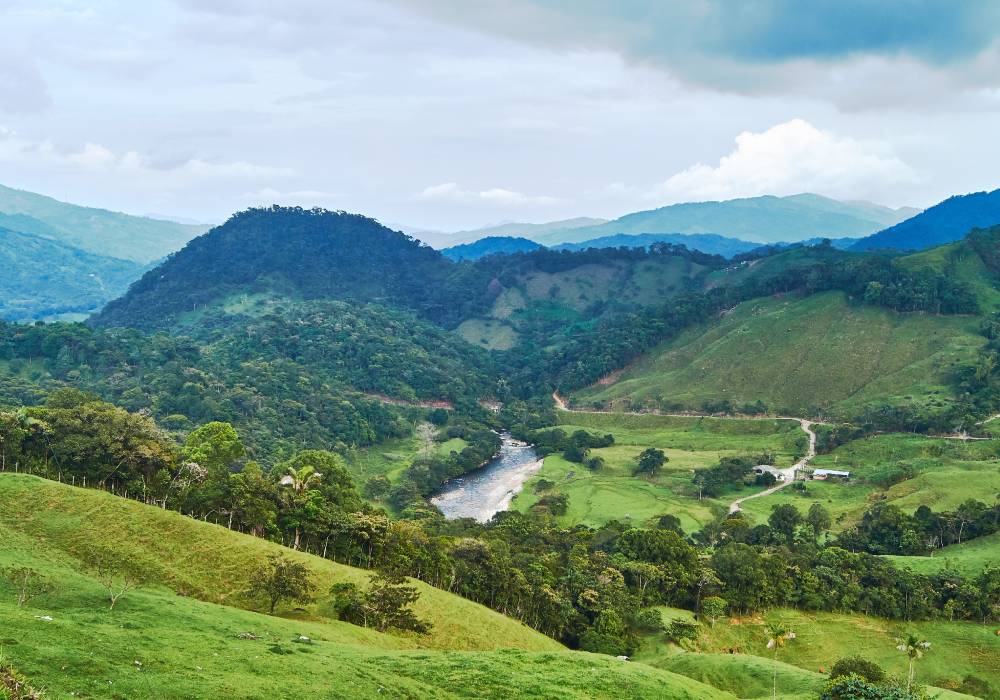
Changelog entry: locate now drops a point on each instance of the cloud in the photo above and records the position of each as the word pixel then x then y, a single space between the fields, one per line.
pixel 96 159
pixel 451 192
pixel 302 198
pixel 766 46
pixel 788 158
pixel 22 88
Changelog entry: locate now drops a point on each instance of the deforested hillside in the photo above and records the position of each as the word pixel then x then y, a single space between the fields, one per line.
pixel 201 637
pixel 832 352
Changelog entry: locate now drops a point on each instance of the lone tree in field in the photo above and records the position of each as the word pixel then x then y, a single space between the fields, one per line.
pixel 116 572
pixel 28 583
pixel 777 637
pixel 914 648
pixel 651 462
pixel 388 603
pixel 385 604
pixel 712 608
pixel 282 579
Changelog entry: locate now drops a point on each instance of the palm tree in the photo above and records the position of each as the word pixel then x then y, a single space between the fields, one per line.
pixel 914 648
pixel 777 637
pixel 297 482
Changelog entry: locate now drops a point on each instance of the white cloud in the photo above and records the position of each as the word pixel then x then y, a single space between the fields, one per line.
pixel 789 158
pixel 301 198
pixel 94 158
pixel 451 192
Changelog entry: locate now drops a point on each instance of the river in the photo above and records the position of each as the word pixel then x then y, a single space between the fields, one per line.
pixel 484 492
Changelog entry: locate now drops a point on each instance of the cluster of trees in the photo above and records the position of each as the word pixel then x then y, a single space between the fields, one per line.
pixel 585 587
pixel 426 473
pixel 574 447
pixel 885 529
pixel 729 472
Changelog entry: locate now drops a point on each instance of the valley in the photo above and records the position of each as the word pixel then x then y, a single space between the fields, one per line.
pixel 540 460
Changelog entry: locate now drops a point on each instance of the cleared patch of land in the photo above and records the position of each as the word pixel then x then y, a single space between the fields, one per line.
pixel 958 650
pixel 690 443
pixel 183 635
pixel 800 356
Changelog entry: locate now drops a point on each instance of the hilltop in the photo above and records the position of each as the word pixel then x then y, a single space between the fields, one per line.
pixel 96 231
pixel 943 223
pixel 294 253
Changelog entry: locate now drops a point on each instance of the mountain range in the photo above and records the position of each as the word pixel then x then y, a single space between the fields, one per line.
pixel 761 220
pixel 943 223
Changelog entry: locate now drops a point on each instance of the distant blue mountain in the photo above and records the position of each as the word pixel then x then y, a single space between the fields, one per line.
pixel 943 223
pixel 490 246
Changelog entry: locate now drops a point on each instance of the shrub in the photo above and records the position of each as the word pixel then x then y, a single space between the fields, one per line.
pixel 858 666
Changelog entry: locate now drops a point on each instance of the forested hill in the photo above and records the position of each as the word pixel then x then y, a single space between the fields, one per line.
pixel 296 253
pixel 943 223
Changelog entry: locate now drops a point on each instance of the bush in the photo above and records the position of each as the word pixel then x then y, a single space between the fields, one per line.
pixel 858 666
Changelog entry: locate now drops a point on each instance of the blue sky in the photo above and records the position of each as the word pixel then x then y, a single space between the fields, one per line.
pixel 448 115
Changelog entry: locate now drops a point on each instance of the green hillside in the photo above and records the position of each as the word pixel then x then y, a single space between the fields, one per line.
pixel 733 653
pixel 45 279
pixel 97 231
pixel 817 354
pixel 179 633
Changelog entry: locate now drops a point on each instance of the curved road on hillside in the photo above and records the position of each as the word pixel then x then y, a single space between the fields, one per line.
pixel 788 472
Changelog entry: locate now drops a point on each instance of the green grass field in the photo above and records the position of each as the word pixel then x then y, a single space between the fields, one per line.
pixel 612 493
pixel 177 637
pixel 811 355
pixel 969 558
pixel 959 649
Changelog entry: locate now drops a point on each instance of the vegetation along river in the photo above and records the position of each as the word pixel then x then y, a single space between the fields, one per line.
pixel 483 493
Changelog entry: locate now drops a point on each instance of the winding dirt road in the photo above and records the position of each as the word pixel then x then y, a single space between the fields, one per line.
pixel 788 472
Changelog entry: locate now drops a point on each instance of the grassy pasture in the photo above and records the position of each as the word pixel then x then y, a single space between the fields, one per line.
pixel 959 649
pixel 178 636
pixel 690 443
pixel 802 356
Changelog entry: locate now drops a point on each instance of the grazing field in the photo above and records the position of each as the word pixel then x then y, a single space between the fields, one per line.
pixel 969 558
pixel 690 443
pixel 959 650
pixel 801 356
pixel 944 474
pixel 185 635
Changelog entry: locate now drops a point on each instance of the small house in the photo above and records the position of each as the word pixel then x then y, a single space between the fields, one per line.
pixel 824 474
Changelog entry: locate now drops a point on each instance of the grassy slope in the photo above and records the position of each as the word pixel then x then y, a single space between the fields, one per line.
pixel 799 355
pixel 186 647
pixel 958 649
pixel 689 443
pixel 969 558
pixel 568 293
pixel 947 473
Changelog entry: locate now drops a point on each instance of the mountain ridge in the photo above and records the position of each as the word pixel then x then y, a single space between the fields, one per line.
pixel 945 222
pixel 95 230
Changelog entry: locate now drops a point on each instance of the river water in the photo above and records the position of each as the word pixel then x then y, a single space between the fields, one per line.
pixel 487 491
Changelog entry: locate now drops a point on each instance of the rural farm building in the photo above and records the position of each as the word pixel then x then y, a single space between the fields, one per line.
pixel 823 474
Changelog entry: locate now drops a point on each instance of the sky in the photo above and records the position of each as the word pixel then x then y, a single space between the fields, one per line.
pixel 449 114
